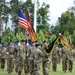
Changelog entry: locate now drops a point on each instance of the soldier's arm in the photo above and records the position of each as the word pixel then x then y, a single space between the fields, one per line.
pixel 7 50
pixel 15 52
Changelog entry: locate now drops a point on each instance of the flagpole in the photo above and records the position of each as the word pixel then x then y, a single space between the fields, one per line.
pixel 35 12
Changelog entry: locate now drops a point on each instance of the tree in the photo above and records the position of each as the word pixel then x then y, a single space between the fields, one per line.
pixel 72 9
pixel 43 17
pixel 4 14
pixel 41 37
pixel 73 37
pixel 67 36
pixel 14 14
pixel 65 22
pixel 8 36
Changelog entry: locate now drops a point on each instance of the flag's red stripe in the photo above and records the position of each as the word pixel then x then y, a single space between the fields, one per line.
pixel 23 20
pixel 23 25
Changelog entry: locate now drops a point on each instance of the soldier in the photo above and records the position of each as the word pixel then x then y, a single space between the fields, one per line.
pixel 2 57
pixel 26 62
pixel 64 59
pixel 20 57
pixel 10 57
pixel 31 60
pixel 37 56
pixel 59 54
pixel 45 60
pixel 55 58
pixel 70 61
pixel 73 51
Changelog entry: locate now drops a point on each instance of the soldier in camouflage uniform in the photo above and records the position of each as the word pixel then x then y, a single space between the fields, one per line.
pixel 37 56
pixel 31 60
pixel 45 60
pixel 70 61
pixel 55 58
pixel 10 57
pixel 26 62
pixel 59 54
pixel 20 57
pixel 2 57
pixel 73 51
pixel 64 59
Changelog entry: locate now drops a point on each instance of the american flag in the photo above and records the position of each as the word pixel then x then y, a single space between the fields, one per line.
pixel 22 20
pixel 25 23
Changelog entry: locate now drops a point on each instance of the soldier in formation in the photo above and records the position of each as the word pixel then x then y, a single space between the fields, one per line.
pixel 30 55
pixel 26 60
pixel 65 57
pixel 31 60
pixel 45 59
pixel 2 57
pixel 38 54
pixel 55 58
pixel 10 57
pixel 19 57
pixel 70 61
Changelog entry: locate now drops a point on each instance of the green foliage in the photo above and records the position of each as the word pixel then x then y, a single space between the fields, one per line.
pixel 43 17
pixel 21 36
pixel 42 13
pixel 9 35
pixel 14 5
pixel 41 37
pixel 4 14
pixel 65 22
pixel 67 36
pixel 73 37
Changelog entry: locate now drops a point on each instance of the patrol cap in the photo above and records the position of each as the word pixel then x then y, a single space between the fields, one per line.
pixel 44 41
pixel 11 41
pixel 22 40
pixel 30 41
pixel 36 45
pixel 33 42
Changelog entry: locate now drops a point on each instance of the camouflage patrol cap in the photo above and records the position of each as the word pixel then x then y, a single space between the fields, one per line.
pixel 44 41
pixel 36 45
pixel 22 40
pixel 33 42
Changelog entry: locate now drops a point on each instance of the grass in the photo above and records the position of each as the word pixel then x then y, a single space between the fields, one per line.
pixel 59 71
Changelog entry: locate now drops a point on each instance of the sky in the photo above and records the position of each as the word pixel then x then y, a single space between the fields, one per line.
pixel 57 7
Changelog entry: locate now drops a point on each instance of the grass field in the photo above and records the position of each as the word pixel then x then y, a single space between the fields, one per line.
pixel 59 71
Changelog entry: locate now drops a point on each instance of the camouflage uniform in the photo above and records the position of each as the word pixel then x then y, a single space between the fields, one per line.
pixel 37 56
pixel 59 55
pixel 73 51
pixel 31 60
pixel 70 61
pixel 19 59
pixel 64 59
pixel 45 63
pixel 26 62
pixel 2 58
pixel 10 58
pixel 55 58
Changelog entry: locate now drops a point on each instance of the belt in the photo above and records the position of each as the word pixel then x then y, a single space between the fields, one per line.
pixel 11 53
